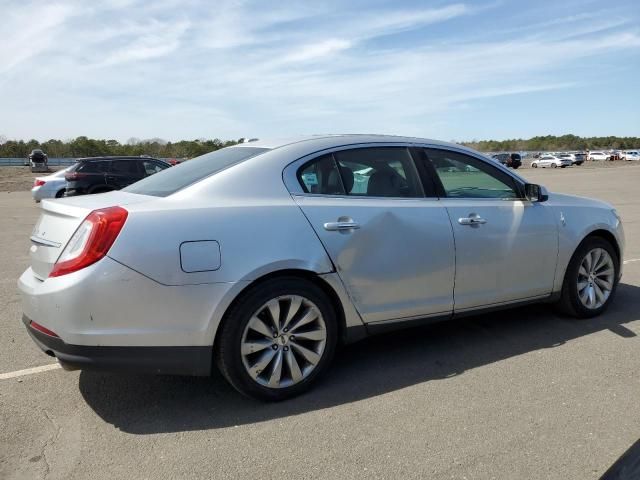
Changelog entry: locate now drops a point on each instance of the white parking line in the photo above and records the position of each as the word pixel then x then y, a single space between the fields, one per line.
pixel 29 371
pixel 632 260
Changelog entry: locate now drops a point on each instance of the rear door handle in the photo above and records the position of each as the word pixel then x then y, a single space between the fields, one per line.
pixel 472 219
pixel 341 226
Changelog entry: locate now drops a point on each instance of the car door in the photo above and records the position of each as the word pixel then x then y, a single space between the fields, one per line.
pixel 391 244
pixel 506 245
pixel 123 173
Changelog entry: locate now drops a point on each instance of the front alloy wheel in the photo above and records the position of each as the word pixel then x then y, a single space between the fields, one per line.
pixel 595 278
pixel 591 279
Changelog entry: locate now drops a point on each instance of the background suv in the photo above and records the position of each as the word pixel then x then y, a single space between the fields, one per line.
pixel 103 174
pixel 512 160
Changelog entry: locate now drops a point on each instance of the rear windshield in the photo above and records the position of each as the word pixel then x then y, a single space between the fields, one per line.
pixel 172 179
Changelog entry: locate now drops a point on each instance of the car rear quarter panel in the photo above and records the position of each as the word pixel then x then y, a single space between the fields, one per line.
pixel 245 208
pixel 108 304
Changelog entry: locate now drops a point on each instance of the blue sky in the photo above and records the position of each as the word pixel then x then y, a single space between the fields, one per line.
pixel 228 69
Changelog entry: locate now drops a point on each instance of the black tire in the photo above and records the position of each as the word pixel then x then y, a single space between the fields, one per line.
pixel 563 166
pixel 227 351
pixel 569 302
pixel 553 165
pixel 515 167
pixel 535 165
pixel 60 194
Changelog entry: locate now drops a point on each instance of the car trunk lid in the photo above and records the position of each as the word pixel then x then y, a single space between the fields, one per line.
pixel 61 218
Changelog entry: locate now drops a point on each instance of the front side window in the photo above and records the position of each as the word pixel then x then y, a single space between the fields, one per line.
pixel 463 176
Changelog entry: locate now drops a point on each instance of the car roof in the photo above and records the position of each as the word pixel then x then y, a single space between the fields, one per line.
pixel 97 159
pixel 334 140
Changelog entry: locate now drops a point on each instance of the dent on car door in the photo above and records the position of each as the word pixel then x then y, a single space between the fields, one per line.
pixel 506 246
pixel 391 245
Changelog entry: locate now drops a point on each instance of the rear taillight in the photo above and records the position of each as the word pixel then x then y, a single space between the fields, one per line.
pixel 38 183
pixel 91 241
pixel 72 176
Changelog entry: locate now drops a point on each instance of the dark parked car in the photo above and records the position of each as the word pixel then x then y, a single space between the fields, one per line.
pixel 512 160
pixel 103 174
pixel 39 161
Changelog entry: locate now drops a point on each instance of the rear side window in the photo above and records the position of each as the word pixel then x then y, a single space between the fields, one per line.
pixel 321 177
pixel 125 167
pixel 93 167
pixel 365 172
pixel 172 179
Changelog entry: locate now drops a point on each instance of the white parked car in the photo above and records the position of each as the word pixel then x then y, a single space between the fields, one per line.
pixel 551 161
pixel 263 257
pixel 631 155
pixel 600 156
pixel 49 186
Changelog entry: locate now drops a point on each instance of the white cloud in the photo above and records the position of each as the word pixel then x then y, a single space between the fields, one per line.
pixel 28 31
pixel 317 50
pixel 161 39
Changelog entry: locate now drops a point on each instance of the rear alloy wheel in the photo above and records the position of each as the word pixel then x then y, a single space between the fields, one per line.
pixel 277 339
pixel 590 281
pixel 553 165
pixel 534 165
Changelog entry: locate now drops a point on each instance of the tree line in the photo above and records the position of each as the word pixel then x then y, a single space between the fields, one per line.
pixel 551 143
pixel 89 147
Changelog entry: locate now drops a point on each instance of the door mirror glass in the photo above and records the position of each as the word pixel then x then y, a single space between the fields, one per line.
pixel 535 193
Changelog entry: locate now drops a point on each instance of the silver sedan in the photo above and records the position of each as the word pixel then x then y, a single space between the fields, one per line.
pixel 263 257
pixel 49 186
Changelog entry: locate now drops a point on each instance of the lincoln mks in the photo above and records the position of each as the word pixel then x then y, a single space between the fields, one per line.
pixel 261 258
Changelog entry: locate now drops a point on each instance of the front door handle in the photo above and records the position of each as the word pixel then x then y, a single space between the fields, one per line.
pixel 341 225
pixel 472 219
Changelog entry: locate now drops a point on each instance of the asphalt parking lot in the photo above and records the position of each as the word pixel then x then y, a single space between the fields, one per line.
pixel 517 394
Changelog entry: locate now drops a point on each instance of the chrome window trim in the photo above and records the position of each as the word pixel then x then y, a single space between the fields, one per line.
pixel 290 172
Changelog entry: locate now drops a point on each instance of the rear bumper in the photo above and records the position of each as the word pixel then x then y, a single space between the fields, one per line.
pixel 194 360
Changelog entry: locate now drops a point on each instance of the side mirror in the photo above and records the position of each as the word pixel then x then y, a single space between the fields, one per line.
pixel 535 193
